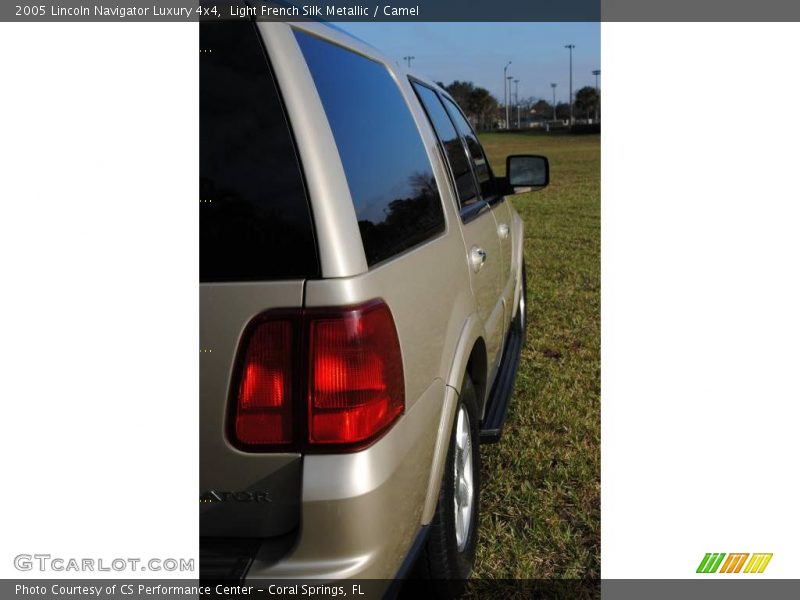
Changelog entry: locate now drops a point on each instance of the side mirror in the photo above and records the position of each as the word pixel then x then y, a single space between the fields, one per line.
pixel 527 172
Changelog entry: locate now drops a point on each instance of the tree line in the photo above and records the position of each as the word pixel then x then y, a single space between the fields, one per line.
pixel 486 113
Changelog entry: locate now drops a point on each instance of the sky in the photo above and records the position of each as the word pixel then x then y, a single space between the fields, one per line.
pixel 477 52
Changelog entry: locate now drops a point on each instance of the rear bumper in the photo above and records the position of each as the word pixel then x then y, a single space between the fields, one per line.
pixel 361 513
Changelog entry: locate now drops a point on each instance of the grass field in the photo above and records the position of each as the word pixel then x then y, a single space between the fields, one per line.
pixel 541 485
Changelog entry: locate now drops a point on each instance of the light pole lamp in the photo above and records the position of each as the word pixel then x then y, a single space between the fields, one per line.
pixel 553 85
pixel 570 47
pixel 509 114
pixel 408 60
pixel 596 74
pixel 505 90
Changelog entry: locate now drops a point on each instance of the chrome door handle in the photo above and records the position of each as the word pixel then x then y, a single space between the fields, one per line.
pixel 502 231
pixel 477 256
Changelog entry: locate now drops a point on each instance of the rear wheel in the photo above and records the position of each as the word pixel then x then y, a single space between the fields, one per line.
pixel 449 552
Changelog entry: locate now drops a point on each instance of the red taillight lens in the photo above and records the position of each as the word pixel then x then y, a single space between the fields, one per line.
pixel 355 380
pixel 263 403
pixel 353 374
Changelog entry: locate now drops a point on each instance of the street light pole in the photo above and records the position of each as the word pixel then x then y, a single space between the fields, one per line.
pixel 516 99
pixel 553 85
pixel 509 114
pixel 596 74
pixel 408 60
pixel 505 91
pixel 570 47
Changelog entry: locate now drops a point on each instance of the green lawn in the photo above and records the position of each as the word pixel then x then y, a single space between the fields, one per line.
pixel 540 512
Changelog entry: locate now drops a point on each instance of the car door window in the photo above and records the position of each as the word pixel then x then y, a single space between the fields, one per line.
pixel 388 171
pixel 253 204
pixel 482 169
pixel 451 144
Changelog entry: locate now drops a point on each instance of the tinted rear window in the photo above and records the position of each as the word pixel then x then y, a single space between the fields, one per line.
pixel 448 137
pixel 482 169
pixel 387 168
pixel 255 221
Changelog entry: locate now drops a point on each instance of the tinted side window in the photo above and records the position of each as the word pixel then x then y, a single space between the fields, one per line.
pixel 482 169
pixel 388 172
pixel 255 221
pixel 451 143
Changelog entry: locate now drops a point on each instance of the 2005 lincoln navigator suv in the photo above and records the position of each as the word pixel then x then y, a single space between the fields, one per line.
pixel 362 306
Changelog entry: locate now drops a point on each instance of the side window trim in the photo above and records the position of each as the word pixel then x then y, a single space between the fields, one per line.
pixel 497 197
pixel 472 211
pixel 442 154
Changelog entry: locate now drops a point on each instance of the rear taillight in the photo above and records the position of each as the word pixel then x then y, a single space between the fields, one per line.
pixel 264 399
pixel 349 375
pixel 355 388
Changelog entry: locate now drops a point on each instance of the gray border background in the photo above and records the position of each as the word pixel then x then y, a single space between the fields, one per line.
pixel 429 10
pixel 455 10
pixel 452 10
pixel 731 588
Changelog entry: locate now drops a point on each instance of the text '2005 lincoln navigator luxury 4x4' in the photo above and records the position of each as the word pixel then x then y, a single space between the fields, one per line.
pixel 362 304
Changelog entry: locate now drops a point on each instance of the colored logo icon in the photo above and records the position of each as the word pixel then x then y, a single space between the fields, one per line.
pixel 734 563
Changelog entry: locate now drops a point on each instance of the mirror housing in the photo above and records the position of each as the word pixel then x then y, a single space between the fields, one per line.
pixel 527 173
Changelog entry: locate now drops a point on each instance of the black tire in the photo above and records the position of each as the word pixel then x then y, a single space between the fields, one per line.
pixel 442 561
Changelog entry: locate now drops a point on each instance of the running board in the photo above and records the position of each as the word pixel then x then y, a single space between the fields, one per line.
pixel 503 387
